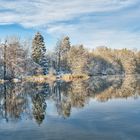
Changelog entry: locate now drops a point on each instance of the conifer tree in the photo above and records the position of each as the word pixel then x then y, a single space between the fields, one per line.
pixel 39 50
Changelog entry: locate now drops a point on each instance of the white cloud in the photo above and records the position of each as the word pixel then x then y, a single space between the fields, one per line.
pixel 32 13
pixel 93 37
pixel 54 15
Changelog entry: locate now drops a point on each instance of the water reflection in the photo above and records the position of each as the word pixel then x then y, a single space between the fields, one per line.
pixel 30 100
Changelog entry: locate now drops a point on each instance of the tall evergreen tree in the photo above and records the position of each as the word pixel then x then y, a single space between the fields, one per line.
pixel 39 50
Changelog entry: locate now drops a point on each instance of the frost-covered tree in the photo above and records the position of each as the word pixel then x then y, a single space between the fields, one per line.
pixel 138 61
pixel 77 59
pixel 16 60
pixel 39 50
pixel 62 48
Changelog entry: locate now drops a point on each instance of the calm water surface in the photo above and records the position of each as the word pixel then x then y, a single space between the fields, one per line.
pixel 101 108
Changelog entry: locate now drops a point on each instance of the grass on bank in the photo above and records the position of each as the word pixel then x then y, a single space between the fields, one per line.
pixel 40 78
pixel 1 81
pixel 72 77
pixel 48 78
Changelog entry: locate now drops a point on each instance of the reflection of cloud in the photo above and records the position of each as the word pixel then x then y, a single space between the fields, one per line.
pixel 51 108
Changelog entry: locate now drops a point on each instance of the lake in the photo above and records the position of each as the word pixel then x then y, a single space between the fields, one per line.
pixel 100 108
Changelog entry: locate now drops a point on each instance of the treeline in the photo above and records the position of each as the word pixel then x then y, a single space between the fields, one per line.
pixel 18 59
pixel 78 59
pixel 104 60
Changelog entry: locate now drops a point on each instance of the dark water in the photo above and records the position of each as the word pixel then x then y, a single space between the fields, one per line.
pixel 101 108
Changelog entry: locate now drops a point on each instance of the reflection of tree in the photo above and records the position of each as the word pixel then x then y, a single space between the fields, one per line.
pixel 29 99
pixel 39 107
pixel 63 106
pixel 98 84
pixel 78 94
pixel 64 109
pixel 14 103
pixel 3 107
pixel 127 89
pixel 103 88
pixel 39 101
pixel 68 95
pixel 15 100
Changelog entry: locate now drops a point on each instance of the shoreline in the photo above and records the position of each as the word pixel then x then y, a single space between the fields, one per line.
pixel 53 78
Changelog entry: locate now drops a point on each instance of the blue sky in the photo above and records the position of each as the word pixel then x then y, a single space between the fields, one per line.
pixel 112 23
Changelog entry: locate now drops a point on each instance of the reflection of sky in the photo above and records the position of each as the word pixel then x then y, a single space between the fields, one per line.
pixel 113 119
pixel 114 23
